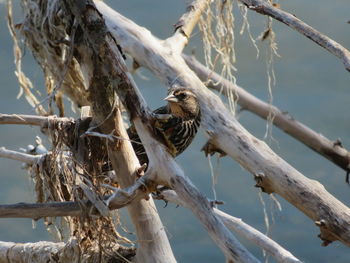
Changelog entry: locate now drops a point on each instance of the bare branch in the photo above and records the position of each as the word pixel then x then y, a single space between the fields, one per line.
pixel 120 198
pixel 19 156
pixel 265 8
pixel 44 251
pixel 186 24
pixel 243 229
pixel 332 150
pixel 40 210
pixel 40 252
pixel 42 121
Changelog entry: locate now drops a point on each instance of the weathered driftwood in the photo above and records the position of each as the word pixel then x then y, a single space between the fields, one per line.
pixel 162 167
pixel 18 156
pixel 100 83
pixel 43 121
pixel 120 198
pixel 125 197
pixel 39 210
pixel 60 252
pixel 272 173
pixel 38 252
pixel 186 24
pixel 149 228
pixel 237 225
pixel 266 8
pixel 332 150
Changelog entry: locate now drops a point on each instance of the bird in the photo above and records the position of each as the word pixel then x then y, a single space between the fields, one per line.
pixel 175 123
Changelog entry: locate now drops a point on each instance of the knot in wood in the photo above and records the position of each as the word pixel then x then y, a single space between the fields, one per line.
pixel 326 235
pixel 321 223
pixel 141 170
pixel 338 142
pixel 261 182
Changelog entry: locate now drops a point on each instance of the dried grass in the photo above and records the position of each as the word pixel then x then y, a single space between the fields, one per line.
pixel 75 169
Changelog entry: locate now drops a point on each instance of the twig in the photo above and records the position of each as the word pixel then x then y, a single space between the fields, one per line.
pixel 265 8
pixel 329 149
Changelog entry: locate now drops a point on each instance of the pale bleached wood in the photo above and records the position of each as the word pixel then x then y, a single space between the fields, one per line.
pixel 332 150
pixel 124 197
pixel 19 156
pixel 120 198
pixel 164 169
pixel 266 8
pixel 39 252
pixel 237 225
pixel 185 25
pixel 153 244
pixel 23 119
pixel 272 172
pixel 59 252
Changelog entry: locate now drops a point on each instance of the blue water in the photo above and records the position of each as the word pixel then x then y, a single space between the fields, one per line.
pixel 312 85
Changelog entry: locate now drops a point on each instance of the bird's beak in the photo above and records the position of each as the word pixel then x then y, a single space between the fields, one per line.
pixel 171 98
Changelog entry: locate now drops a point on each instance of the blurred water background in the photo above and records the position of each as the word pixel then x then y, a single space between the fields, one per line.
pixel 312 86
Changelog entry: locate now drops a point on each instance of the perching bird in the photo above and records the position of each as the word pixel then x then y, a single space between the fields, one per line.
pixel 177 123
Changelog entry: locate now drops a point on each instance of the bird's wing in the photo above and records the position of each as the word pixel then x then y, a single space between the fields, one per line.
pixel 162 110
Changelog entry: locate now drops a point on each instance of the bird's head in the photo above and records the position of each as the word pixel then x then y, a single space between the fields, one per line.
pixel 183 103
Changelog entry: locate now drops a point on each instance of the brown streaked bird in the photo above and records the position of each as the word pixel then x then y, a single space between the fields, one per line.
pixel 177 123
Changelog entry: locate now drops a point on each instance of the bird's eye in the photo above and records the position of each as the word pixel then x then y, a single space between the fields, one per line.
pixel 181 96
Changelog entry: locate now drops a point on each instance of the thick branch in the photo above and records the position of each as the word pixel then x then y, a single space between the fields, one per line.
pixel 331 150
pixel 143 213
pixel 272 172
pixel 243 229
pixel 265 8
pixel 40 251
pixel 166 170
pixel 44 251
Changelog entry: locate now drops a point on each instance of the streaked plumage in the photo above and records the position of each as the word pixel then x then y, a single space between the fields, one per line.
pixel 177 123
